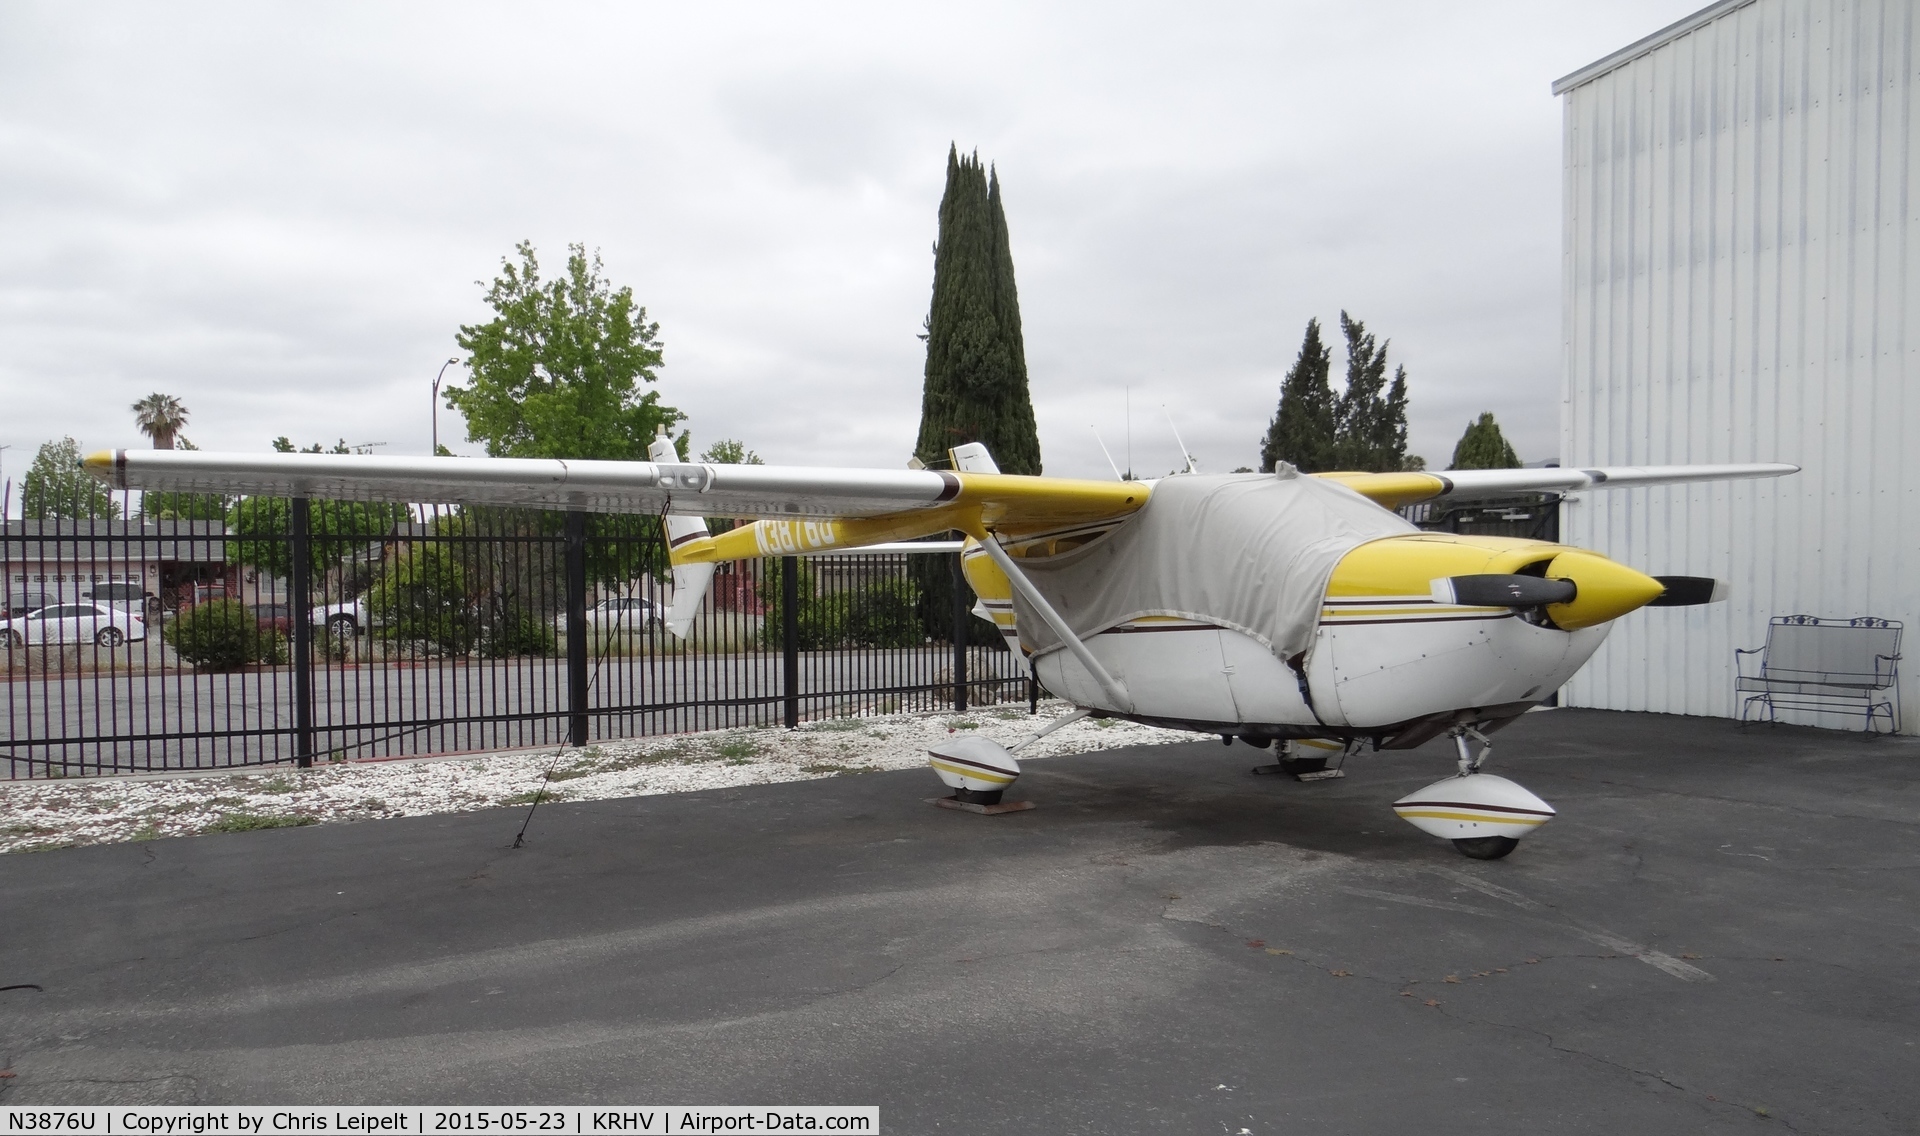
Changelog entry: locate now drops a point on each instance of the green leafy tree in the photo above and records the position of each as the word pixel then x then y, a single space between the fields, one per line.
pixel 975 386
pixel 728 451
pixel 557 372
pixel 264 527
pixel 1302 430
pixel 1482 446
pixel 57 488
pixel 421 596
pixel 160 417
pixel 285 445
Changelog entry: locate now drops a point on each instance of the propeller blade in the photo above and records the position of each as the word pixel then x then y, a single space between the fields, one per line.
pixel 1503 591
pixel 1686 591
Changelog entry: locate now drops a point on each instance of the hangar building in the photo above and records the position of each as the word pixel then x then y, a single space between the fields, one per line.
pixel 1741 264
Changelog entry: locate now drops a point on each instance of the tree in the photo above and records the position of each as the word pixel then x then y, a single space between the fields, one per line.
pixel 57 488
pixel 284 445
pixel 975 382
pixel 727 451
pixel 1364 427
pixel 264 528
pixel 160 417
pixel 421 596
pixel 1302 430
pixel 1372 431
pixel 557 372
pixel 1484 447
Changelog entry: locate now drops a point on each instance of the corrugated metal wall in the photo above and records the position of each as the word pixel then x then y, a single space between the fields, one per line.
pixel 1742 259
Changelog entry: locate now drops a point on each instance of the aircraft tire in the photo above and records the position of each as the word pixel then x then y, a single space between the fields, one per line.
pixel 1486 847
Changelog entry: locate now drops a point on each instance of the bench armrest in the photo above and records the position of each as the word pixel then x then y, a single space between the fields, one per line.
pixel 1739 668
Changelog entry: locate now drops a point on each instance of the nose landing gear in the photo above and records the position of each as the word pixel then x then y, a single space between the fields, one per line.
pixel 1483 815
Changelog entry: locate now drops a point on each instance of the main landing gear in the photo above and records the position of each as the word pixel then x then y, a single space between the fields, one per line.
pixel 1306 760
pixel 1483 815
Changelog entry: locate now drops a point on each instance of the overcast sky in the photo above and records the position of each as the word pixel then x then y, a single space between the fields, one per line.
pixel 279 214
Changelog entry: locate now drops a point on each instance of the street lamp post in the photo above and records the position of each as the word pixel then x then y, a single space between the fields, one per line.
pixel 436 404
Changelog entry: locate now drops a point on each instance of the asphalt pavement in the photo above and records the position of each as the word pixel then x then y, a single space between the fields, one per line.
pixel 1717 934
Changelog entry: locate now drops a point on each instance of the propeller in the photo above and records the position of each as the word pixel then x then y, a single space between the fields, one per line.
pixel 1686 591
pixel 1492 590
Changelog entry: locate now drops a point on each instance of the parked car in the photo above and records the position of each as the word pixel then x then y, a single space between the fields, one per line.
pixel 629 613
pixel 23 602
pixel 273 617
pixel 131 597
pixel 344 620
pixel 99 623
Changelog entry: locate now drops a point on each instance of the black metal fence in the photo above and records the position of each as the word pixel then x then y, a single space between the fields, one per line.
pixel 1532 516
pixel 319 631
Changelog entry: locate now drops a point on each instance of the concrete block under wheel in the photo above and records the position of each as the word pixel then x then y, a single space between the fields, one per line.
pixel 983 810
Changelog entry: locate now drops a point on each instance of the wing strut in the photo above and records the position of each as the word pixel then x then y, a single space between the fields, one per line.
pixel 1115 691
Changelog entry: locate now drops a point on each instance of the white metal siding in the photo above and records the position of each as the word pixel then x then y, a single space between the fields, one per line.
pixel 1741 259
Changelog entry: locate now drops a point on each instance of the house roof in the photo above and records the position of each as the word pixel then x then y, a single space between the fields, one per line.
pixel 1640 47
pixel 196 542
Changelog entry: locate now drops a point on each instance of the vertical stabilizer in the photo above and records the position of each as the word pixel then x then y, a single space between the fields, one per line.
pixel 973 458
pixel 690 581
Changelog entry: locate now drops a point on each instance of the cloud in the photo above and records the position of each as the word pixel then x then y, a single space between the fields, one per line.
pixel 279 214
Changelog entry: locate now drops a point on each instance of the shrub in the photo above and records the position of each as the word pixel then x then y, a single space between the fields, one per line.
pixel 222 635
pixel 516 633
pixel 883 613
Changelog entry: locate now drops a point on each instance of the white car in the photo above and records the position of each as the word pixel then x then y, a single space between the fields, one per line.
pixel 344 620
pixel 98 623
pixel 620 614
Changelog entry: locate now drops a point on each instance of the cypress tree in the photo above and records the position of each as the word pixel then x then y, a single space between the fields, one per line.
pixel 976 372
pixel 1302 430
pixel 1371 434
pixel 1483 446
pixel 1362 428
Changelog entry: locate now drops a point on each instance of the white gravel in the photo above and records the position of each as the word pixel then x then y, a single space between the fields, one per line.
pixel 38 815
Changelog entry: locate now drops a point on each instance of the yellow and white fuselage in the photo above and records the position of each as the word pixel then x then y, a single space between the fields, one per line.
pixel 1388 657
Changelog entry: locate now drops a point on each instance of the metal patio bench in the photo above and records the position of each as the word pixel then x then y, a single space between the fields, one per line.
pixel 1843 666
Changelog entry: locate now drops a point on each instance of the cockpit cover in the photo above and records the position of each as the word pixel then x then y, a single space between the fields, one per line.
pixel 1251 551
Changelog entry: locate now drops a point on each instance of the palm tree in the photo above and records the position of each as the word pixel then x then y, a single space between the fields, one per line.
pixel 160 417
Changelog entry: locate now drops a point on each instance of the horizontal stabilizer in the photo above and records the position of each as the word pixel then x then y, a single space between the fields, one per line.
pixel 1687 591
pixel 690 583
pixel 1503 591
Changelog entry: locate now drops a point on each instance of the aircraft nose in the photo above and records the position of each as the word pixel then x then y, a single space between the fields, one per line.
pixel 1603 589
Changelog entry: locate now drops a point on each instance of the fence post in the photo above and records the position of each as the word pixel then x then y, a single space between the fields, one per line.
pixel 790 637
pixel 576 533
pixel 300 614
pixel 959 635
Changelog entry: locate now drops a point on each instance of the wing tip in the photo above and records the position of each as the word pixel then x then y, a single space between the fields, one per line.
pixel 107 465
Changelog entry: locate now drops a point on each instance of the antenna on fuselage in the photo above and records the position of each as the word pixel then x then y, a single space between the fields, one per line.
pixel 1104 450
pixel 1192 466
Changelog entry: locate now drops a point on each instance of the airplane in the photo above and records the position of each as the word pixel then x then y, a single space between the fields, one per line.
pixel 1289 610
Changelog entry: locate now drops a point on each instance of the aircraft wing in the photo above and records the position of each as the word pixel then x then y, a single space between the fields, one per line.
pixel 1395 489
pixel 903 502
